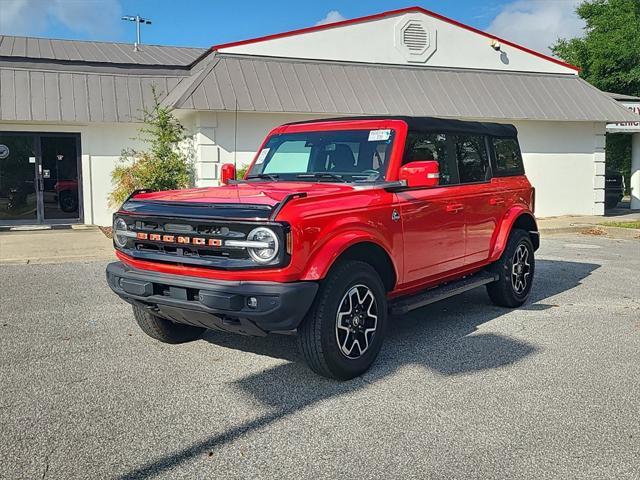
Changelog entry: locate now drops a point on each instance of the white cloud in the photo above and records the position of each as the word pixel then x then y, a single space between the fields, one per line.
pixel 98 18
pixel 537 25
pixel 332 17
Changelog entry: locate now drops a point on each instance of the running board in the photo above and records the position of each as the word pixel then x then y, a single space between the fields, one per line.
pixel 406 304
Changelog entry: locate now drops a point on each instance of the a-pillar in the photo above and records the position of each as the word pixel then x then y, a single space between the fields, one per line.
pixel 635 171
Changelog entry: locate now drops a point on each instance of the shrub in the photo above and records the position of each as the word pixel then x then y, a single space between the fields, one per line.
pixel 241 172
pixel 165 165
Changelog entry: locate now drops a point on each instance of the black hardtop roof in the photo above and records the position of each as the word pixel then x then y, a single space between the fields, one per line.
pixel 434 124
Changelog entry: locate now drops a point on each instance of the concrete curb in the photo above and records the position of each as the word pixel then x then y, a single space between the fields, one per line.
pixel 613 232
pixel 58 259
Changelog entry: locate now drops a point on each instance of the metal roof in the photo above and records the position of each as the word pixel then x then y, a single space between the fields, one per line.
pixel 98 52
pixel 267 84
pixel 59 90
pixel 622 97
pixel 59 96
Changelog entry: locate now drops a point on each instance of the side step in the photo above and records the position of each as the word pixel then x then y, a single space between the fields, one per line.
pixel 406 304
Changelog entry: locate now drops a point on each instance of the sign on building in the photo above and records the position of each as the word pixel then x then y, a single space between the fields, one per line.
pixel 626 126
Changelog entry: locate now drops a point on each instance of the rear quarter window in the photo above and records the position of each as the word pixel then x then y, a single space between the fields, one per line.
pixel 508 157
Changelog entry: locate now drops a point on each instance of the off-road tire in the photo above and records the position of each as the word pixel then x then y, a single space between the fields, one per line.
pixel 502 292
pixel 317 337
pixel 165 330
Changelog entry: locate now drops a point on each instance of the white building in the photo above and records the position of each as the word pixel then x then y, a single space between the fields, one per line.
pixel 68 108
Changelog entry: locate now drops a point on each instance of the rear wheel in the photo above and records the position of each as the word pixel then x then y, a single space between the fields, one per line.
pixel 342 334
pixel 165 330
pixel 515 271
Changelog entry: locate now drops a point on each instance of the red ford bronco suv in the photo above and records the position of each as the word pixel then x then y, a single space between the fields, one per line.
pixel 338 225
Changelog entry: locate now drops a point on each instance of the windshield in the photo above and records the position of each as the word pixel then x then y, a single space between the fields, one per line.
pixel 334 156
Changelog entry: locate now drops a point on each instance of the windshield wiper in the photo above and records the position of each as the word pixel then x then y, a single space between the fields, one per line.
pixel 268 176
pixel 321 175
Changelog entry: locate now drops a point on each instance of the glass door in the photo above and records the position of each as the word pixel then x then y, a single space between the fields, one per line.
pixel 18 188
pixel 59 178
pixel 39 178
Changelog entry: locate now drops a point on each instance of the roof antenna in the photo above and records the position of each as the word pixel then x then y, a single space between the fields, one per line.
pixel 235 137
pixel 138 20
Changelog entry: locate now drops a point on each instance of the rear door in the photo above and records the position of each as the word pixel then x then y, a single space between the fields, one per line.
pixel 482 196
pixel 432 218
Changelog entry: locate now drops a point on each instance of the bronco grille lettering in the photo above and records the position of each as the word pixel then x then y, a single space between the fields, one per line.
pixel 181 239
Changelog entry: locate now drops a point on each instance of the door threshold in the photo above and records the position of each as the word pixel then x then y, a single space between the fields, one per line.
pixel 47 226
pixel 28 228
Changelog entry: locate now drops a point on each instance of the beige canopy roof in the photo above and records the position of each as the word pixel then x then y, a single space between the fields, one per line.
pixel 267 84
pixel 68 81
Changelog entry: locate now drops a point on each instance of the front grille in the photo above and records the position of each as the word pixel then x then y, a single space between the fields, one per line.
pixel 193 242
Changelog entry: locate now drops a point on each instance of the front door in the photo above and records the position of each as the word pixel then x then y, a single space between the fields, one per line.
pixel 433 219
pixel 39 178
pixel 433 231
pixel 59 178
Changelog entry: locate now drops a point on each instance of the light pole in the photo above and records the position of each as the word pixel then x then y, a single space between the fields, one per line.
pixel 138 20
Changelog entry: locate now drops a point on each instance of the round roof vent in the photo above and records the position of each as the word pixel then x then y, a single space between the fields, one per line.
pixel 415 37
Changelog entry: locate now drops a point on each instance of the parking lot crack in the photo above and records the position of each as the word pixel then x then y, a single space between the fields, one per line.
pixel 47 463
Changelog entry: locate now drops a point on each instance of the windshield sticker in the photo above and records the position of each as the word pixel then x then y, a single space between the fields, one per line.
pixel 262 156
pixel 379 135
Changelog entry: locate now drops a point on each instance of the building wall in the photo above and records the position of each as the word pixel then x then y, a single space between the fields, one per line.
pixel 216 138
pixel 565 163
pixel 377 41
pixel 564 160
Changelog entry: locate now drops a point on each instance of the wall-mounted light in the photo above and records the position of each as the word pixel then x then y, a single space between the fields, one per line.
pixel 495 44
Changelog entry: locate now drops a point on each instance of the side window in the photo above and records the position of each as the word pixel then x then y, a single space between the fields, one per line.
pixel 432 146
pixel 473 162
pixel 508 157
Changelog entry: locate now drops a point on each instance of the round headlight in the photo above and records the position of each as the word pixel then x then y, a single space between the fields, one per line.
pixel 119 232
pixel 264 255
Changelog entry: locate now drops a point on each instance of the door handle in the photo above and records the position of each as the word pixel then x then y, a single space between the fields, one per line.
pixel 454 207
pixel 496 201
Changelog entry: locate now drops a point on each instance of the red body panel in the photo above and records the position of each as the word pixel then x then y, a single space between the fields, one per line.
pixel 442 232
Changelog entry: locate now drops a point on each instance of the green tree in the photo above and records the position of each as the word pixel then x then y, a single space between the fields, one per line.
pixel 165 165
pixel 609 56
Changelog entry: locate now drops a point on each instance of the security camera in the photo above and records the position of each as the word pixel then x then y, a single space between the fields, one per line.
pixel 495 44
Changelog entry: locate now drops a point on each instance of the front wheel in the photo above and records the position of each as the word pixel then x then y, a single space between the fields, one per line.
pixel 165 330
pixel 515 270
pixel 342 334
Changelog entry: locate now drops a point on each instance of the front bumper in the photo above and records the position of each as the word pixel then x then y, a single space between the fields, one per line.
pixel 221 305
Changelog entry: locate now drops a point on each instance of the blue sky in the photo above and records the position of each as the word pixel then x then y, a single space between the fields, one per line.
pixel 202 23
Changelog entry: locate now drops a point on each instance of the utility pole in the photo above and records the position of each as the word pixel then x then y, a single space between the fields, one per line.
pixel 138 20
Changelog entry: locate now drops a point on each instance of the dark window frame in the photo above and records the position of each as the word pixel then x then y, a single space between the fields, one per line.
pixel 487 146
pixel 452 158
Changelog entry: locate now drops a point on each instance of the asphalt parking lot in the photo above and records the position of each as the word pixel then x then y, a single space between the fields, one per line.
pixel 461 389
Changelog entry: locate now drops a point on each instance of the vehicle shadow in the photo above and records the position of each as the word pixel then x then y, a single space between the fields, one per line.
pixel 441 337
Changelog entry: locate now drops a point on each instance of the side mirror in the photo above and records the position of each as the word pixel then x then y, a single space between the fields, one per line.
pixel 421 173
pixel 227 173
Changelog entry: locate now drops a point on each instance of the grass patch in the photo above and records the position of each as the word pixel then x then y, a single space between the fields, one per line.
pixel 632 224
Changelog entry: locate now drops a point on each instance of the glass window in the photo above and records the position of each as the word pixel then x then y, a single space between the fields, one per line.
pixel 340 155
pixel 473 163
pixel 508 157
pixel 432 146
pixel 290 156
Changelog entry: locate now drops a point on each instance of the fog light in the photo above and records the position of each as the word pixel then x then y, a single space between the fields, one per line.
pixel 252 302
